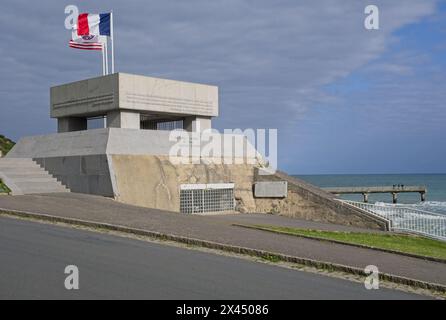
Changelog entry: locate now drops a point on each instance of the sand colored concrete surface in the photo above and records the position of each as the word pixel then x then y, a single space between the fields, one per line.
pixel 153 181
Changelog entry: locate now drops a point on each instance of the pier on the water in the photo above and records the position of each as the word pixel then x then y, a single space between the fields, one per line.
pixel 393 190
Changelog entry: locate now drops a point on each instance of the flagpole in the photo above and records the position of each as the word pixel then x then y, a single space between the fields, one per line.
pixel 112 44
pixel 105 72
pixel 106 55
pixel 103 59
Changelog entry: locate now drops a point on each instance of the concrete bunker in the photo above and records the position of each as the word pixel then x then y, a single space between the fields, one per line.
pixel 130 159
pixel 134 102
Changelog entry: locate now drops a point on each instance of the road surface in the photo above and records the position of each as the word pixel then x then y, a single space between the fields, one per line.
pixel 34 257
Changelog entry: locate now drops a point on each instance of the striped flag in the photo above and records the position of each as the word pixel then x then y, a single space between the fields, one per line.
pixel 93 24
pixel 86 42
pixel 90 31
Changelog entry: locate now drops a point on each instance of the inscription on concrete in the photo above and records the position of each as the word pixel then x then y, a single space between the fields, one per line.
pixel 171 104
pixel 144 95
pixel 271 189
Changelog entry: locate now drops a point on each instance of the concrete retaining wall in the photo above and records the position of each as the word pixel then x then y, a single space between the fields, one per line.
pixel 153 181
pixel 79 143
pixel 81 174
pixel 308 202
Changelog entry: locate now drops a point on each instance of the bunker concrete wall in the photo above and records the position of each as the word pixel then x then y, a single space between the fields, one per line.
pixel 113 141
pixel 88 142
pixel 133 166
pixel 153 181
pixel 308 202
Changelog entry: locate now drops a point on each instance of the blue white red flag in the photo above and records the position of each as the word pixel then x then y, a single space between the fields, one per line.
pixel 93 24
pixel 90 31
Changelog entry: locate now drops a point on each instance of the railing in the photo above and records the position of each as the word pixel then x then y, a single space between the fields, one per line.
pixel 407 219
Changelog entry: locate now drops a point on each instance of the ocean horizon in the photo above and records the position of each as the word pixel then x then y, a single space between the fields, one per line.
pixel 435 184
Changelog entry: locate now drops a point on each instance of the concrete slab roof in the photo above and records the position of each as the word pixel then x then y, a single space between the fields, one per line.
pixel 123 91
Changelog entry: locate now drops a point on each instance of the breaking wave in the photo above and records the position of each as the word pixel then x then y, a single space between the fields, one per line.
pixel 429 206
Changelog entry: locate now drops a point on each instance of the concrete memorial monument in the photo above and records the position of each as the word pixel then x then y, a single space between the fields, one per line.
pixel 138 156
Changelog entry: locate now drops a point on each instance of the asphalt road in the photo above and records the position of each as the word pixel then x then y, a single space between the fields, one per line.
pixel 33 258
pixel 221 229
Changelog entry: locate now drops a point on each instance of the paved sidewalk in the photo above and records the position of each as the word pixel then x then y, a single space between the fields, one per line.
pixel 220 229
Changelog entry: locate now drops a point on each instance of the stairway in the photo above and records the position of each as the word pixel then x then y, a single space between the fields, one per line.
pixel 25 176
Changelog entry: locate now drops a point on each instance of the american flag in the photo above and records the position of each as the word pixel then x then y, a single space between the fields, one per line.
pixel 87 42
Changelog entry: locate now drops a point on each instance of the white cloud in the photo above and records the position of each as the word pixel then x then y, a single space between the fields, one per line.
pixel 271 59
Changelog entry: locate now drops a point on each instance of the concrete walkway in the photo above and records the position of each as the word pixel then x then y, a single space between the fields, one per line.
pixel 220 229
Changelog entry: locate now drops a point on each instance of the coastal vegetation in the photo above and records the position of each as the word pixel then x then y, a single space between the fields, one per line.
pixel 408 244
pixel 5 145
pixel 4 188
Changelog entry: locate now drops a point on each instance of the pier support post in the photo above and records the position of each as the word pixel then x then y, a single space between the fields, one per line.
pixel 395 197
pixel 423 196
pixel 366 197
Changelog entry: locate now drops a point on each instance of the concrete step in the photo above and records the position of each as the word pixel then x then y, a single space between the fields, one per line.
pixel 38 190
pixel 15 160
pixel 24 170
pixel 36 183
pixel 40 179
pixel 14 167
pixel 25 176
pixel 20 175
pixel 20 164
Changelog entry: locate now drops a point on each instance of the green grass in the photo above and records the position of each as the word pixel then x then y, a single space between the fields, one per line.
pixel 5 144
pixel 401 243
pixel 4 188
pixel 271 258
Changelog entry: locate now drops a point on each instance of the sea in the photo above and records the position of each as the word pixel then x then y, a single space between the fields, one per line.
pixel 435 183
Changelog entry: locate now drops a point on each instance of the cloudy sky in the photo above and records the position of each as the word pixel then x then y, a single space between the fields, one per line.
pixel 344 99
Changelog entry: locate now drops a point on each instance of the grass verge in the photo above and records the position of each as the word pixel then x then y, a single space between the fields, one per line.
pixel 3 187
pixel 5 144
pixel 408 244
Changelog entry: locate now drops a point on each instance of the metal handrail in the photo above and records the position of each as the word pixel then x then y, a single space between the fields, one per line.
pixel 392 206
pixel 406 219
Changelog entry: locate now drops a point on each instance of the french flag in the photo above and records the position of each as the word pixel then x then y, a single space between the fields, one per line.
pixel 93 24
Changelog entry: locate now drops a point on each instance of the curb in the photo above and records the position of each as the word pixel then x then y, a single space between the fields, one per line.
pixel 410 255
pixel 229 248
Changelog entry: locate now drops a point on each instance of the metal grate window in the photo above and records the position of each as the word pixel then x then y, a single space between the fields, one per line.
pixel 161 125
pixel 205 198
